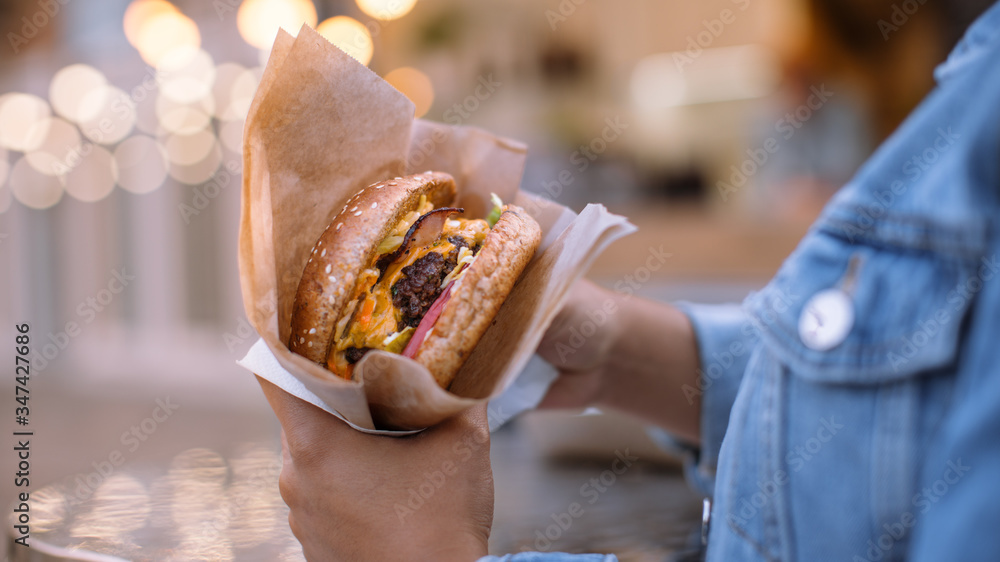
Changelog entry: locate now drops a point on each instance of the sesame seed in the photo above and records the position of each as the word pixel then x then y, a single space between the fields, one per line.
pixel 302 340
pixel 332 279
pixel 323 253
pixel 313 331
pixel 357 214
pixel 375 204
pixel 310 344
pixel 328 268
pixel 321 242
pixel 355 208
pixel 399 178
pixel 339 225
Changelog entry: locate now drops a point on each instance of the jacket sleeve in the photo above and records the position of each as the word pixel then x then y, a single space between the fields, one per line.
pixel 550 557
pixel 726 338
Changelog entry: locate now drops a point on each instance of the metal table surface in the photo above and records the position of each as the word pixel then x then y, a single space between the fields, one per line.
pixel 204 506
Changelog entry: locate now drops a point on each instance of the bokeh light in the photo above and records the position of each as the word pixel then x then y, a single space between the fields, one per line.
pixel 242 92
pixel 120 504
pixel 48 508
pixel 231 135
pixel 20 115
pixel 184 119
pixel 186 74
pixel 226 75
pixel 386 9
pixel 94 177
pixel 146 118
pixel 70 86
pixel 260 518
pixel 5 198
pixel 59 151
pixel 139 12
pixel 350 35
pixel 33 188
pixel 4 166
pixel 415 85
pixel 141 163
pixel 198 172
pixel 4 172
pixel 185 150
pixel 111 115
pixel 259 20
pixel 155 28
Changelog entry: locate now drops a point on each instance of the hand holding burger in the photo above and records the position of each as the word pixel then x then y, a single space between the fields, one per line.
pixel 351 495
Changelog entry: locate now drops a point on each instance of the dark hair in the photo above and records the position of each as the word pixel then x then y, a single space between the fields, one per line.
pixel 855 23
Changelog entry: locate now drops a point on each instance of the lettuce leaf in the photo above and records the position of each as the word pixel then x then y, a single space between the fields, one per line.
pixel 494 215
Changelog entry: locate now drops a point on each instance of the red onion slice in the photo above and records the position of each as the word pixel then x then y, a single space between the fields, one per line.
pixel 422 233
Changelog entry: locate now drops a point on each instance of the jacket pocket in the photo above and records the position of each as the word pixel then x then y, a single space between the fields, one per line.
pixel 908 289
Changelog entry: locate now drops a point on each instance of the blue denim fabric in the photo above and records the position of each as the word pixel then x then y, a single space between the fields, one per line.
pixel 550 557
pixel 886 447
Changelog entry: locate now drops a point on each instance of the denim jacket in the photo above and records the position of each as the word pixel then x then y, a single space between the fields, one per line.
pixel 851 408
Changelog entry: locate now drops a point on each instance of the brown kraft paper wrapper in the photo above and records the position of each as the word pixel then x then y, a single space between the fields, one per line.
pixel 320 128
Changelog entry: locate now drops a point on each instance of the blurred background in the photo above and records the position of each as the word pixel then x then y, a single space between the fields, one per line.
pixel 720 127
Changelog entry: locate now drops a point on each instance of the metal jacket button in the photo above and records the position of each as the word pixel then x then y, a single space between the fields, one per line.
pixel 706 520
pixel 826 320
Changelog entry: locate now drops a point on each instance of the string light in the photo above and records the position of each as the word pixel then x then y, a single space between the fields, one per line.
pixel 70 86
pixel 415 85
pixel 141 163
pixel 60 149
pixel 156 27
pixel 33 188
pixel 94 177
pixel 350 35
pixel 20 118
pixel 258 21
pixel 386 9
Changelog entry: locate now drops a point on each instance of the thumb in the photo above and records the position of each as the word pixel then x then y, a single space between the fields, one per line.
pixel 285 406
pixel 303 424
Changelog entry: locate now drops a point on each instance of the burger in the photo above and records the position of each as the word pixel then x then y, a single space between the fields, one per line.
pixel 400 270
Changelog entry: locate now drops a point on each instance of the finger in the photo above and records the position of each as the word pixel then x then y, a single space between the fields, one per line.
pixel 281 402
pixel 557 331
pixel 286 456
pixel 303 424
pixel 290 409
pixel 568 392
pixel 583 297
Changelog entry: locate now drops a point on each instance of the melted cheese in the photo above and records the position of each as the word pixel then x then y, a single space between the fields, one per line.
pixel 385 316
